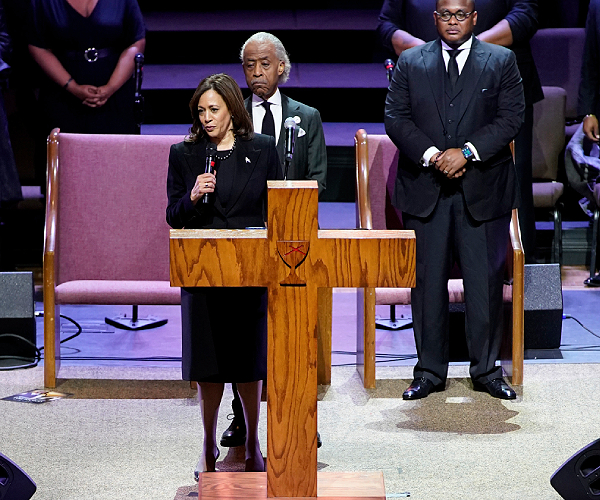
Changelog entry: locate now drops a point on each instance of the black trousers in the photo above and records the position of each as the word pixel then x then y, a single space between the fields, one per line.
pixel 447 236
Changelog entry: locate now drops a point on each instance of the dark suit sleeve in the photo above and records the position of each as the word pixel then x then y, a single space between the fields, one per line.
pixel 490 139
pixel 180 209
pixel 590 70
pixel 390 20
pixel 317 151
pixel 523 20
pixel 5 46
pixel 399 124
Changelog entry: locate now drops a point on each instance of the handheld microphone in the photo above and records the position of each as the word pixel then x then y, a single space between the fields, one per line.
pixel 138 99
pixel 389 68
pixel 211 153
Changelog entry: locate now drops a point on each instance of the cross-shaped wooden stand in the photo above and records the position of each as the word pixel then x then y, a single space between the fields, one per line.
pixel 293 259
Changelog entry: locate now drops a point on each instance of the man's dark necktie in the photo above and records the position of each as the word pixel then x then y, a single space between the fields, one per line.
pixel 268 124
pixel 453 67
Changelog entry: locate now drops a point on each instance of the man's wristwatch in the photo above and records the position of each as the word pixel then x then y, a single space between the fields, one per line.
pixel 467 153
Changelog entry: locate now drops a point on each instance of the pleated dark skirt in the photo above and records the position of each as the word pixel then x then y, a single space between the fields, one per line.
pixel 224 334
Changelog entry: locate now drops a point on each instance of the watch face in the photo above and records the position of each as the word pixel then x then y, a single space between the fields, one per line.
pixel 467 153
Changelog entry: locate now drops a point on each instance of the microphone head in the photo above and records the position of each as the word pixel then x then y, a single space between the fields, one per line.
pixel 289 123
pixel 388 64
pixel 211 149
pixel 139 57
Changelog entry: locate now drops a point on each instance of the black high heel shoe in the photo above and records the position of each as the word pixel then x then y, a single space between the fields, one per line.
pixel 202 466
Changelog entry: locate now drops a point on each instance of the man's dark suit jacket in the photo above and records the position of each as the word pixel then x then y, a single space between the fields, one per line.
pixel 310 156
pixel 491 111
pixel 258 163
pixel 589 88
pixel 416 18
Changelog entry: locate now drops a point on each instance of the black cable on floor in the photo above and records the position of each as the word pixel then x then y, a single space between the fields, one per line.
pixel 31 364
pixel 568 316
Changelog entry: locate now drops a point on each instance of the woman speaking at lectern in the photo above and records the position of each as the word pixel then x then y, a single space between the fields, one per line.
pixel 224 329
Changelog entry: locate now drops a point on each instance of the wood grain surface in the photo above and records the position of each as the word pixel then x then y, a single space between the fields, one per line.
pixel 334 258
pixel 252 486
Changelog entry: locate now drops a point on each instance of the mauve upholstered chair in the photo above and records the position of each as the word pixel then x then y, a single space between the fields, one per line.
pixel 106 236
pixel 376 166
pixel 548 146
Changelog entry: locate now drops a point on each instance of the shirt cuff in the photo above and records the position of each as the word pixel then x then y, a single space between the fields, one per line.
pixel 475 153
pixel 426 158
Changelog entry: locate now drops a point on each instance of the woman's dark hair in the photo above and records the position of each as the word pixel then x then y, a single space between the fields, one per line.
pixel 231 94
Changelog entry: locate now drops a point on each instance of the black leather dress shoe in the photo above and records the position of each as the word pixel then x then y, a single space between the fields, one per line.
pixel 421 388
pixel 593 280
pixel 235 435
pixel 497 388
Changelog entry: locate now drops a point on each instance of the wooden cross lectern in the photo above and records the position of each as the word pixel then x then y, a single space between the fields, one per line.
pixel 293 259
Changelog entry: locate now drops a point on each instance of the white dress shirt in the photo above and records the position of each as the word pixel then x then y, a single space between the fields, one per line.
pixel 258 112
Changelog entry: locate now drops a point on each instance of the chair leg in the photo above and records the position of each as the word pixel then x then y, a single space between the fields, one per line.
pixel 557 240
pixel 365 336
pixel 559 234
pixel 594 243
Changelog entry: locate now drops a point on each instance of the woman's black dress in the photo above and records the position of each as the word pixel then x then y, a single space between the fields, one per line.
pixel 224 330
pixel 112 26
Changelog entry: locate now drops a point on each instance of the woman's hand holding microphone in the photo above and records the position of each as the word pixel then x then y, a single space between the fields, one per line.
pixel 205 183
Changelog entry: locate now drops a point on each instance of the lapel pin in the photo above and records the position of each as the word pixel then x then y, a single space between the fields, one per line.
pixel 247 160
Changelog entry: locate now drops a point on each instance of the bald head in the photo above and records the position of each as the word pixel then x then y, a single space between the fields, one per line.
pixel 469 4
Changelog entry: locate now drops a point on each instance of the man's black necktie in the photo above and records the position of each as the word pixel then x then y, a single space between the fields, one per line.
pixel 453 67
pixel 268 124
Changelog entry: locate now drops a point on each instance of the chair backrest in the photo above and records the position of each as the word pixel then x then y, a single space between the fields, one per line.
pixel 558 53
pixel 548 133
pixel 112 198
pixel 377 164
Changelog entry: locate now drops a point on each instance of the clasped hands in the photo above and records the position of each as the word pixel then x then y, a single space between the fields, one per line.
pixel 451 163
pixel 92 96
pixel 205 183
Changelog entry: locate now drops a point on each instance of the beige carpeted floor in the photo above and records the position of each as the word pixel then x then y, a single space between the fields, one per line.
pixel 140 438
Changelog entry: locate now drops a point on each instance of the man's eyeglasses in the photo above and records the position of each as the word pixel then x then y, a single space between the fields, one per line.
pixel 447 15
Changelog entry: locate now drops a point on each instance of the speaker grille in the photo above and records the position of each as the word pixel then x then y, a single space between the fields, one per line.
pixel 16 295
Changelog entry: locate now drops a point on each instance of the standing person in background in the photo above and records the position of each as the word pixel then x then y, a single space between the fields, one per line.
pixel 87 49
pixel 10 188
pixel 453 107
pixel 511 23
pixel 267 65
pixel 589 89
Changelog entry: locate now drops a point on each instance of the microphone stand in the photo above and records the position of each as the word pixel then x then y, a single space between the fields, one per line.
pixel 138 98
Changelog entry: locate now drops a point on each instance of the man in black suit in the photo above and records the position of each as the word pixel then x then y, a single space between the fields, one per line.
pixel 452 109
pixel 267 65
pixel 511 23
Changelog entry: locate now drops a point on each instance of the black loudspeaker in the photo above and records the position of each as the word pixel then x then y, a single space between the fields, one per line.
pixel 579 477
pixel 17 319
pixel 14 483
pixel 543 306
